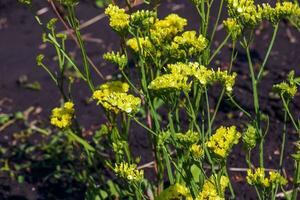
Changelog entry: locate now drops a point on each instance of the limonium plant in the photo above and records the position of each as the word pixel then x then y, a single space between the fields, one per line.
pixel 175 72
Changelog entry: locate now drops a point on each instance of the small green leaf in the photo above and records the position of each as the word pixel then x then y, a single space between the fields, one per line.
pixel 4 118
pixel 196 172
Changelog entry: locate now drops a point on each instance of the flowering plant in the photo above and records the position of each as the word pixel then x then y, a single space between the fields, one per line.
pixel 175 73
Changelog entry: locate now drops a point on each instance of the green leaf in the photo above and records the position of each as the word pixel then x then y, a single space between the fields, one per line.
pixel 196 172
pixel 113 188
pixel 81 141
pixel 4 118
pixel 19 115
pixel 21 179
pixel 33 86
pixel 100 3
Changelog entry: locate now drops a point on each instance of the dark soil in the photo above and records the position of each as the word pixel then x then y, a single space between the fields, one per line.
pixel 20 40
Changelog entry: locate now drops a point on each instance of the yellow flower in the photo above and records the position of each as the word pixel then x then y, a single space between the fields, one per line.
pixel 227 79
pixel 196 151
pixel 129 172
pixel 167 28
pixel 143 19
pixel 287 89
pixel 187 138
pixel 118 19
pixel 62 117
pixel 250 137
pixel 204 75
pixel 222 141
pixel 233 28
pixel 176 191
pixel 142 45
pixel 116 58
pixel 113 96
pixel 170 82
pixel 257 177
pixel 210 191
pixel 188 45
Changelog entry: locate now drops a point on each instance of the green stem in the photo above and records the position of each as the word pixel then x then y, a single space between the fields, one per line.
pixel 268 52
pixel 232 59
pixel 168 165
pixel 75 27
pixel 217 21
pixel 282 150
pixel 145 127
pixel 219 48
pixel 296 180
pixel 286 107
pixel 49 72
pixel 208 113
pixel 67 57
pixel 256 105
pixel 239 107
pixel 230 184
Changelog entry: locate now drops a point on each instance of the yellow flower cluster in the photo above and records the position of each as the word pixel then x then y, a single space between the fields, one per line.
pixel 233 28
pixel 116 58
pixel 143 19
pixel 210 191
pixel 281 10
pixel 180 73
pixel 249 14
pixel 289 88
pixel 227 79
pixel 222 141
pixel 257 177
pixel 250 137
pixel 203 75
pixel 176 191
pixel 141 45
pixel 170 82
pixel 129 172
pixel 244 11
pixel 167 28
pixel 119 146
pixel 188 45
pixel 158 40
pixel 62 117
pixel 187 138
pixel 162 38
pixel 113 96
pixel 196 151
pixel 286 89
pixel 118 19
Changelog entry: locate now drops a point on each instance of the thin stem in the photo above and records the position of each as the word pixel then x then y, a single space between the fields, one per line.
pixel 145 127
pixel 66 56
pixel 219 48
pixel 254 82
pixel 230 185
pixel 50 73
pixel 74 24
pixel 239 107
pixel 283 141
pixel 286 107
pixel 130 83
pixel 217 21
pixel 232 59
pixel 70 32
pixel 208 113
pixel 268 52
pixel 296 180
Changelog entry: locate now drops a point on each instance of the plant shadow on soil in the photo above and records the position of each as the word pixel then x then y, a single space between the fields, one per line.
pixel 20 42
